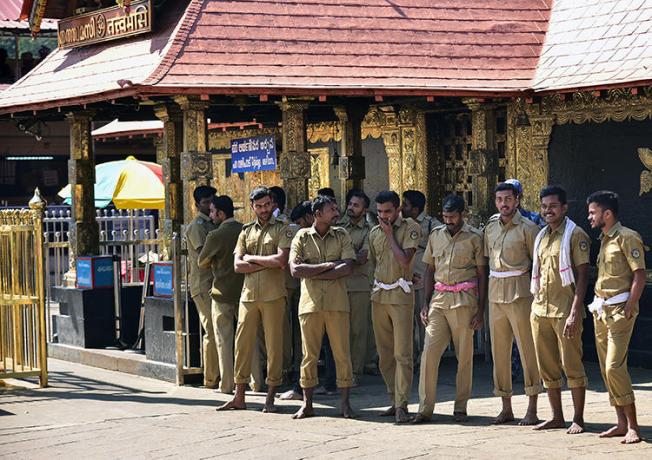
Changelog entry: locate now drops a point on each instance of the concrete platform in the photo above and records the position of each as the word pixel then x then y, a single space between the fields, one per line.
pixel 94 413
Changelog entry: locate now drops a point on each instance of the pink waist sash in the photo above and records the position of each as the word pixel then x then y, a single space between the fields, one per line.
pixel 463 286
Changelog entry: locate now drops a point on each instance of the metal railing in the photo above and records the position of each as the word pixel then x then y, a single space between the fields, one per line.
pixel 23 350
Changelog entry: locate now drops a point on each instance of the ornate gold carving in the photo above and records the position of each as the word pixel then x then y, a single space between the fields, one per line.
pixel 325 131
pixel 617 105
pixel 294 161
pixel 319 170
pixel 645 155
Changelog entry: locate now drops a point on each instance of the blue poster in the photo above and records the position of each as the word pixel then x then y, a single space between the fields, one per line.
pixel 253 154
pixel 162 274
pixel 84 273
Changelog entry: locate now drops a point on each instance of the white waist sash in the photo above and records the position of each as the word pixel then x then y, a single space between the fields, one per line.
pixel 599 302
pixel 507 274
pixel 401 282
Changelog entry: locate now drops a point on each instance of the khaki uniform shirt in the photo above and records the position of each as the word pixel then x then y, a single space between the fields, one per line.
pixel 554 300
pixel 311 248
pixel 387 270
pixel 196 233
pixel 358 281
pixel 290 281
pixel 268 284
pixel 455 259
pixel 427 224
pixel 621 254
pixel 217 253
pixel 510 247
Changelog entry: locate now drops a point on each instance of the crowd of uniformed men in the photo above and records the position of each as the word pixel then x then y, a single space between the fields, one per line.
pixel 397 287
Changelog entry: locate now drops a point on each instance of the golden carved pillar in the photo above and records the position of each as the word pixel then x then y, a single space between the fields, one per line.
pixel 483 160
pixel 168 153
pixel 294 160
pixel 195 158
pixel 532 166
pixel 391 133
pixel 84 232
pixel 351 165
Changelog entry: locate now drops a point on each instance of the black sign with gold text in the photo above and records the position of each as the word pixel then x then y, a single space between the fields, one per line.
pixel 105 24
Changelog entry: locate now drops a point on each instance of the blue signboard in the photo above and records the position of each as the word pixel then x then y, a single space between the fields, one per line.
pixel 162 279
pixel 94 272
pixel 253 154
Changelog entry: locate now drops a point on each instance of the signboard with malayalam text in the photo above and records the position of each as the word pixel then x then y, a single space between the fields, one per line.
pixel 162 279
pixel 253 154
pixel 94 272
pixel 105 24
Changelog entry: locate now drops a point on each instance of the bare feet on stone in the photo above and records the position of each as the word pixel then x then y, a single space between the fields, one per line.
pixel 460 417
pixel 270 408
pixel 504 417
pixel 389 412
pixel 419 418
pixel 303 412
pixel 576 427
pixel 551 425
pixel 529 419
pixel 290 395
pixel 401 415
pixel 232 405
pixel 632 437
pixel 347 412
pixel 614 431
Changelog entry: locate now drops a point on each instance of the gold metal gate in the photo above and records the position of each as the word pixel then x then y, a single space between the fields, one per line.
pixel 23 350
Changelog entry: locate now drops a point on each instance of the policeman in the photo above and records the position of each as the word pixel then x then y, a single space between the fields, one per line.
pixel 357 284
pixel 559 280
pixel 217 253
pixel 392 244
pixel 621 280
pixel 413 205
pixel 201 280
pixel 261 254
pixel 321 256
pixel 455 255
pixel 509 243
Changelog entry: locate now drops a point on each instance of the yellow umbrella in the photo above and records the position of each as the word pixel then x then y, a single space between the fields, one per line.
pixel 129 184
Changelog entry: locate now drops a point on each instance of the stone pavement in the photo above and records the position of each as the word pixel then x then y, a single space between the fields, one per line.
pixel 95 413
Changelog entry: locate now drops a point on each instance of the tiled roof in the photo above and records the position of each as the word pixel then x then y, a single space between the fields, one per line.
pixel 361 47
pixel 372 44
pixel 9 17
pixel 594 43
pixel 93 71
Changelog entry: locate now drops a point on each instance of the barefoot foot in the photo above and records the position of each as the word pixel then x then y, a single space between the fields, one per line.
pixel 614 431
pixel 550 425
pixel 632 437
pixel 504 417
pixel 389 412
pixel 232 405
pixel 460 417
pixel 419 418
pixel 270 408
pixel 347 412
pixel 303 412
pixel 401 415
pixel 529 419
pixel 290 395
pixel 576 428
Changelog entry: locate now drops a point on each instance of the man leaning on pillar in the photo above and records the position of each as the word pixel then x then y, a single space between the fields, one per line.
pixel 201 281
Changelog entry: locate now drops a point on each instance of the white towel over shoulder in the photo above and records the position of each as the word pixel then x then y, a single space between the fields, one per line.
pixel 565 258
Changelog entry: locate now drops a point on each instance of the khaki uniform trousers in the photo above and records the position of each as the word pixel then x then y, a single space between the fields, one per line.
pixel 393 326
pixel 556 353
pixel 444 325
pixel 360 317
pixel 250 315
pixel 209 342
pixel 508 321
pixel 419 328
pixel 288 331
pixel 313 326
pixel 612 335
